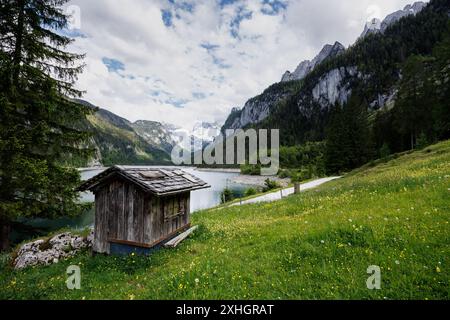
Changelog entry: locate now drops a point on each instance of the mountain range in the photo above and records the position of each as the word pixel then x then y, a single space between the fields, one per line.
pixel 303 101
pixel 329 87
pixel 376 25
pixel 119 141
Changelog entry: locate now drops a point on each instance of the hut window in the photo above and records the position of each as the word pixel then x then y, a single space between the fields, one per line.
pixel 173 208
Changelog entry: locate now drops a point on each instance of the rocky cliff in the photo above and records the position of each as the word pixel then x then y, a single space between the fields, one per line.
pixel 376 25
pixel 316 86
pixel 305 67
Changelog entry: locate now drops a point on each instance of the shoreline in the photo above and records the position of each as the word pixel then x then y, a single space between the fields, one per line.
pixel 259 181
pixel 219 170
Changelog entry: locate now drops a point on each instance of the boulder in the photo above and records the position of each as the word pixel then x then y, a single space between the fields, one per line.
pixel 61 246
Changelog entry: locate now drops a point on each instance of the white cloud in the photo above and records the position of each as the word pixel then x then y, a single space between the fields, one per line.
pixel 170 77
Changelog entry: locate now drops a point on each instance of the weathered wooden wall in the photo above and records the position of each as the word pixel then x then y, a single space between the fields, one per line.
pixel 126 214
pixel 165 218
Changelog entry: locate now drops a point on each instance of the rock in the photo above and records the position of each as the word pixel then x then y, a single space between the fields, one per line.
pixel 332 88
pixel 376 25
pixel 305 67
pixel 373 26
pixel 62 241
pixel 396 16
pixel 90 238
pixel 385 100
pixel 78 243
pixel 59 247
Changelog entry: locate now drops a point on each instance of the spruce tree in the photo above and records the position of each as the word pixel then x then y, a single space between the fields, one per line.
pixel 39 120
pixel 335 155
pixel 348 137
pixel 412 104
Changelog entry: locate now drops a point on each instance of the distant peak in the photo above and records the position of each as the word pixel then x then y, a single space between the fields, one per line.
pixel 338 44
pixel 305 67
pixel 376 25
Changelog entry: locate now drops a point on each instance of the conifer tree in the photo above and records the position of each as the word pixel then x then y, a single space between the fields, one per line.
pixel 348 137
pixel 39 120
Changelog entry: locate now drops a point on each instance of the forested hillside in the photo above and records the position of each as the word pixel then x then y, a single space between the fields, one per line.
pixel 389 92
pixel 116 140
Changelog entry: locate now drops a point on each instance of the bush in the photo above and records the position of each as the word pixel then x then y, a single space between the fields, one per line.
pixel 226 195
pixel 285 173
pixel 422 141
pixel 250 192
pixel 385 151
pixel 252 170
pixel 296 177
pixel 270 185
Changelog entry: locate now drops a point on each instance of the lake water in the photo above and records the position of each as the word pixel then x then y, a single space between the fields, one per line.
pixel 201 199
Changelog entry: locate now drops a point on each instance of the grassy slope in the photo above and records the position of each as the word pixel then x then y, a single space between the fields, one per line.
pixel 316 245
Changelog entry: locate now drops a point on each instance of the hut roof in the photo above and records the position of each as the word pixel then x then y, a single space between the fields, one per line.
pixel 157 181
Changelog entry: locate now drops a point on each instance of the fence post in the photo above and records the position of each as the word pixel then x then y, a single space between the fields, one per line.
pixel 297 188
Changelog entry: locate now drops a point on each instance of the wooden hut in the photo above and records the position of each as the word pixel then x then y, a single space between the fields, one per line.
pixel 140 208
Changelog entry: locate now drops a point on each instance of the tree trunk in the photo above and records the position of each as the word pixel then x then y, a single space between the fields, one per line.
pixel 412 140
pixel 5 231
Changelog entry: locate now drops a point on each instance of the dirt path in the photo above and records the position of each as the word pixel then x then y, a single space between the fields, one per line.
pixel 274 196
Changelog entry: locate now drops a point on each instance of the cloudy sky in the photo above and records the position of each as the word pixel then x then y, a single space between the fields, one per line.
pixel 182 61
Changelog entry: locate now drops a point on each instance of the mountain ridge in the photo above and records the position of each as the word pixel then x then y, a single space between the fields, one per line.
pixel 321 86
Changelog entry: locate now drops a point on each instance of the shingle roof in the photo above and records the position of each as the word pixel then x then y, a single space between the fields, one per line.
pixel 159 181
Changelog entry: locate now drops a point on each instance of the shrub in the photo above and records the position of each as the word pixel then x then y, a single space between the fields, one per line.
pixel 283 174
pixel 226 195
pixel 422 141
pixel 250 192
pixel 270 185
pixel 385 151
pixel 252 170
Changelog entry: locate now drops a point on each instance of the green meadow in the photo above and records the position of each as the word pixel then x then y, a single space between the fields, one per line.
pixel 318 245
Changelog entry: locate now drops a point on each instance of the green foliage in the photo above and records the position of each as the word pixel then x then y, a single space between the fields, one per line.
pixel 250 169
pixel 422 142
pixel 250 192
pixel 270 185
pixel 227 195
pixel 39 120
pixel 385 151
pixel 308 156
pixel 394 215
pixel 348 137
pixel 299 175
pixel 421 113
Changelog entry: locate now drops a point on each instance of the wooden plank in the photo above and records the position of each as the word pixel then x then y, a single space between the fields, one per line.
pixel 113 210
pixel 155 217
pixel 153 244
pixel 98 205
pixel 173 212
pixel 167 228
pixel 148 220
pixel 188 209
pixel 177 240
pixel 101 226
pixel 138 223
pixel 122 212
pixel 130 212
